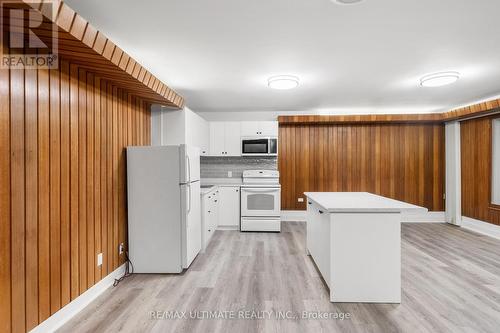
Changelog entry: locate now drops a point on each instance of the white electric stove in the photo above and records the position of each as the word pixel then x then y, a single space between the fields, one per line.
pixel 261 201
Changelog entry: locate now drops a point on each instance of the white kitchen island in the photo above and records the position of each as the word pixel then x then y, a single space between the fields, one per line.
pixel 355 240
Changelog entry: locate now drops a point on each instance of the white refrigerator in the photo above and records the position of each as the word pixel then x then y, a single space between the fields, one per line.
pixel 164 210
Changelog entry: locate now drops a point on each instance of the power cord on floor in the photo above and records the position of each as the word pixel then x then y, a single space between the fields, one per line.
pixel 129 270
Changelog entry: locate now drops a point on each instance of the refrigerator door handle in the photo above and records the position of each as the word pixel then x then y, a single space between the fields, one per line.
pixel 188 187
pixel 189 168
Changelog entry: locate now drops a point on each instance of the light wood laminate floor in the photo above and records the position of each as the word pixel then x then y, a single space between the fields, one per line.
pixel 450 279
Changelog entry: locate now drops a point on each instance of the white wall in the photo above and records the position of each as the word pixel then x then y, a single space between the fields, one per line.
pixel 197 129
pixel 173 127
pixel 453 173
pixel 241 116
pixel 156 127
pixel 273 115
pixel 495 195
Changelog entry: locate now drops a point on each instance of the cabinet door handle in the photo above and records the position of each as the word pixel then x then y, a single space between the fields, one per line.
pixel 320 211
pixel 215 200
pixel 236 190
pixel 309 203
pixel 209 211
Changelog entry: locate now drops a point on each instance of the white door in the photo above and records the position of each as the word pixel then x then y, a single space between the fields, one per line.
pixel 229 209
pixel 260 201
pixel 217 138
pixel 232 139
pixel 269 128
pixel 191 226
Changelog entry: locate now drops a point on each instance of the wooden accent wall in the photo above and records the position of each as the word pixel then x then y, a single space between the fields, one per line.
pixel 476 156
pixel 400 161
pixel 62 186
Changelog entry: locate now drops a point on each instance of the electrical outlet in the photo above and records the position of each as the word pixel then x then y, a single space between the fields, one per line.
pixel 300 199
pixel 99 259
pixel 229 174
pixel 120 248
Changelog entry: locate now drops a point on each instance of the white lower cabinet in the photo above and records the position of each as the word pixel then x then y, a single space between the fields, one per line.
pixel 229 208
pixel 209 216
pixel 318 238
pixel 219 208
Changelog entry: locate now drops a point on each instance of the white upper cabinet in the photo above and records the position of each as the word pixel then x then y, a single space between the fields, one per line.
pixel 249 128
pixel 232 138
pixel 225 138
pixel 269 128
pixel 197 132
pixel 259 128
pixel 217 138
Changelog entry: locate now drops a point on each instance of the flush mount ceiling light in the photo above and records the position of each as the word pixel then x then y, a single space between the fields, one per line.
pixel 283 82
pixel 347 2
pixel 439 79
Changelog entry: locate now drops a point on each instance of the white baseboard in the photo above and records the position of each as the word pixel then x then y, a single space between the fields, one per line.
pixel 481 227
pixel 62 316
pixel 431 217
pixel 293 216
pixel 228 227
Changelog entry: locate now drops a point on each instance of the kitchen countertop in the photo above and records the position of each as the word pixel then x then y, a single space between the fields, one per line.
pixel 222 181
pixel 206 190
pixel 360 202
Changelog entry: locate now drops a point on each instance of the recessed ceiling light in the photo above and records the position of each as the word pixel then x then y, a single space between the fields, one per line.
pixel 283 82
pixel 439 79
pixel 347 2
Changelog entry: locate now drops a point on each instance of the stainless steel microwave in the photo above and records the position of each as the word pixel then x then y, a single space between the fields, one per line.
pixel 259 146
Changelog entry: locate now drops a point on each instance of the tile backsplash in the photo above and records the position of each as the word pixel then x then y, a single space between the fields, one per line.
pixel 218 167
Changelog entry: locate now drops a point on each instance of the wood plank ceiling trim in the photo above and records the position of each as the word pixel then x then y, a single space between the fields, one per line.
pixel 82 44
pixel 480 109
pixel 379 118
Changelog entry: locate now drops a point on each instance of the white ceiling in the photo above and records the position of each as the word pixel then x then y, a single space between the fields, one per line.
pixel 363 58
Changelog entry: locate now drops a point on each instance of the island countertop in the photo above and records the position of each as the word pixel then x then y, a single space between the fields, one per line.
pixel 360 202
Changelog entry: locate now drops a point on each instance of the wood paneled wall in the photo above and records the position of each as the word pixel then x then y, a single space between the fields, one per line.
pixel 476 159
pixel 62 186
pixel 400 161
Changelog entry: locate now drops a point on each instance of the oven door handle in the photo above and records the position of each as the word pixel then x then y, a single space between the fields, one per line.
pixel 260 190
